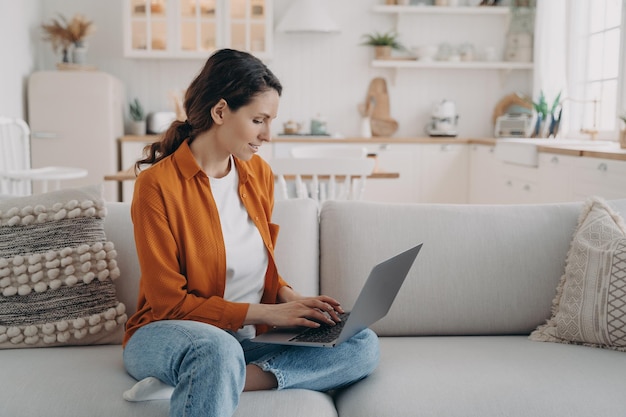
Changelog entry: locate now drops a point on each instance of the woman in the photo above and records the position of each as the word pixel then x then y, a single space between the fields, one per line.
pixel 205 242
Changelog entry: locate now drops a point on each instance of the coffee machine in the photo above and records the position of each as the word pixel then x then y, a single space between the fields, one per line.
pixel 443 120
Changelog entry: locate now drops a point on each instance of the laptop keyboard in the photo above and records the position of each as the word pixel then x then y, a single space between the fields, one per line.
pixel 324 333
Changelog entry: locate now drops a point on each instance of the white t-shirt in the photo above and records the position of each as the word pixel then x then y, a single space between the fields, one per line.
pixel 246 255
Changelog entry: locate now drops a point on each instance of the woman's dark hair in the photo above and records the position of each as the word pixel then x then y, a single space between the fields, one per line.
pixel 234 76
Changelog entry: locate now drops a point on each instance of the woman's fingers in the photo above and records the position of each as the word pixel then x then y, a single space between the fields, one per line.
pixel 328 306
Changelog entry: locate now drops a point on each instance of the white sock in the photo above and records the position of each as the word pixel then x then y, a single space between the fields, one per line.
pixel 149 388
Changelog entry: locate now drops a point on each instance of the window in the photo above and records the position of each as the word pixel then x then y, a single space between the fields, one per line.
pixel 596 84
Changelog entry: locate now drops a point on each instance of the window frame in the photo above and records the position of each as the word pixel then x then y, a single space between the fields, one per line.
pixel 580 106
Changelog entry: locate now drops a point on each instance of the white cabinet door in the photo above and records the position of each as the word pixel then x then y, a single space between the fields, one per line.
pixel 400 158
pixel 443 173
pixel 605 178
pixel 196 28
pixel 517 184
pixel 495 182
pixel 484 173
pixel 555 176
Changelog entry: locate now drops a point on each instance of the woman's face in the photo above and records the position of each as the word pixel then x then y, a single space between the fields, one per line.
pixel 243 131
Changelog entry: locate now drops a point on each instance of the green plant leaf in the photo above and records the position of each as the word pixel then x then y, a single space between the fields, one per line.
pixel 136 110
pixel 382 39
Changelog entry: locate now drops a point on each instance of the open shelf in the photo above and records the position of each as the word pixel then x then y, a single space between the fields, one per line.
pixel 408 63
pixel 477 10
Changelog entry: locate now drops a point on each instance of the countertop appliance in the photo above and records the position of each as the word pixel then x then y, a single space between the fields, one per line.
pixel 76 118
pixel 443 120
pixel 514 125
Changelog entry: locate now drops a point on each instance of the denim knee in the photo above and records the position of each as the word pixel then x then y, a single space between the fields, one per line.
pixel 212 374
pixel 215 354
pixel 368 351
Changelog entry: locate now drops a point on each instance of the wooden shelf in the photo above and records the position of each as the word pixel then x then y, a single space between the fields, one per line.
pixel 477 10
pixel 409 63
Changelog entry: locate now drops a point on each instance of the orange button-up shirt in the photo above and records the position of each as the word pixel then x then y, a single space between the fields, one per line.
pixel 180 247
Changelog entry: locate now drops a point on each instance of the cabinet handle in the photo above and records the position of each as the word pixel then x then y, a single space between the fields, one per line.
pixel 383 147
pixel 474 147
pixel 526 187
pixel 446 148
pixel 44 135
pixel 603 167
pixel 492 149
pixel 555 160
pixel 509 183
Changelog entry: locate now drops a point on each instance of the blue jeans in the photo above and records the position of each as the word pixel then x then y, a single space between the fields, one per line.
pixel 207 365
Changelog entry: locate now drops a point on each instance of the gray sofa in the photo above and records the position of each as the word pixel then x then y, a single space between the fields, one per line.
pixel 455 342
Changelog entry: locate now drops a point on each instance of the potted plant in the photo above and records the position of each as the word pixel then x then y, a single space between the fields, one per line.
pixel 542 110
pixel 383 43
pixel 63 34
pixel 137 118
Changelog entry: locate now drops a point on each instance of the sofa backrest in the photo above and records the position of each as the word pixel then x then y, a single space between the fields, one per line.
pixel 482 269
pixel 297 248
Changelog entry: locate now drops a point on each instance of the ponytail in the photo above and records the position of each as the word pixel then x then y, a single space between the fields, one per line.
pixel 171 140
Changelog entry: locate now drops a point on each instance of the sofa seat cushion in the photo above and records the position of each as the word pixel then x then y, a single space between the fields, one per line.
pixel 89 381
pixel 488 376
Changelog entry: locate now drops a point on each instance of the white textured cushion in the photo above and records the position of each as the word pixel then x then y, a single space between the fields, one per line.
pixel 482 269
pixel 590 305
pixel 57 270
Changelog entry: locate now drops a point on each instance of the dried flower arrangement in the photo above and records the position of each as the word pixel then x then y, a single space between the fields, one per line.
pixel 63 33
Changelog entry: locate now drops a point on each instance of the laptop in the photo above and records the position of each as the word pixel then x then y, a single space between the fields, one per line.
pixel 372 304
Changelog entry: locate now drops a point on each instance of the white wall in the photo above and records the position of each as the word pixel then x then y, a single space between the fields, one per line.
pixel 321 73
pixel 19 22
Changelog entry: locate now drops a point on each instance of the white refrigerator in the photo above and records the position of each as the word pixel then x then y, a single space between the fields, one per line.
pixel 76 119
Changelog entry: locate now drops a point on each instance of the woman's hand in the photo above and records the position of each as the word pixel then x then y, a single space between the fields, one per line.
pixel 296 310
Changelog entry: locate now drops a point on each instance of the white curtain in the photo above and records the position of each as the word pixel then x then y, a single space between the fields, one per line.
pixel 551 51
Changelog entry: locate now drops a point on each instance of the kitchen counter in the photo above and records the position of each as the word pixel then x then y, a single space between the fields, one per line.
pixel 612 151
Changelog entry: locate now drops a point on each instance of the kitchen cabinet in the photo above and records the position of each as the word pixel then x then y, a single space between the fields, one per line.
pixel 402 158
pixel 493 181
pixel 555 176
pixel 518 189
pixel 195 28
pixel 444 173
pixel 599 177
pixel 410 16
pixel 484 170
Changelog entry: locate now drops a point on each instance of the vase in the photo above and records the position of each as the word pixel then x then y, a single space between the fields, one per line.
pixel 79 53
pixel 538 129
pixel 137 127
pixel 622 139
pixel 382 52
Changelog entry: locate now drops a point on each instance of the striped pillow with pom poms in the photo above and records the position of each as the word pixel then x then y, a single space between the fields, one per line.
pixel 57 270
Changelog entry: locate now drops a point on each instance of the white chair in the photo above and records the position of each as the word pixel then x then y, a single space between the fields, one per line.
pixel 16 174
pixel 323 175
